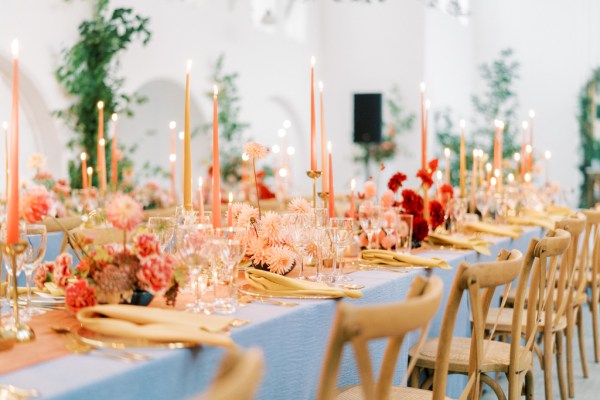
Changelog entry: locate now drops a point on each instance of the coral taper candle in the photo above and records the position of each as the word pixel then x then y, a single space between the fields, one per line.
pixel 84 177
pixel 200 197
pixel 229 214
pixel 187 145
pixel 101 161
pixel 216 165
pixel 352 188
pixel 324 164
pixel 423 129
pixel 524 161
pixel 5 128
pixel 313 122
pixel 496 161
pixel 531 118
pixel 331 196
pixel 172 158
pixel 463 161
pixel 517 158
pixel 447 166
pixel 90 173
pixel 114 171
pixel 12 222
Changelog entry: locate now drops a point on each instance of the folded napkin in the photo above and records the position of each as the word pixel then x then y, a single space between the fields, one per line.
pixel 60 224
pixel 500 230
pixel 274 284
pixel 479 245
pixel 99 236
pixel 159 212
pixel 156 324
pixel 531 221
pixel 560 210
pixel 50 287
pixel 4 286
pixel 386 257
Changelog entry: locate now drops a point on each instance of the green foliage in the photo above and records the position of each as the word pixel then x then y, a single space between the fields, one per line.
pixel 89 73
pixel 499 101
pixel 590 146
pixel 400 122
pixel 231 130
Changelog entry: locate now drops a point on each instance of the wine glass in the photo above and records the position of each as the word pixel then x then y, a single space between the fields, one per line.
pixel 228 247
pixel 296 226
pixel 482 202
pixel 369 216
pixel 341 236
pixel 191 243
pixel 163 228
pixel 37 239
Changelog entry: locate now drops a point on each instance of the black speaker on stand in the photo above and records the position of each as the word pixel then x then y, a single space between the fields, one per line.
pixel 367 118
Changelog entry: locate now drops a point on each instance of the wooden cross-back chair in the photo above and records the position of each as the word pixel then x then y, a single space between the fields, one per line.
pixel 472 356
pixel 589 274
pixel 238 377
pixel 358 325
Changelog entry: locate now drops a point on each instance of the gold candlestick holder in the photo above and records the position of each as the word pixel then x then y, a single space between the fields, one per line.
pixel 324 197
pixel 314 175
pixel 22 332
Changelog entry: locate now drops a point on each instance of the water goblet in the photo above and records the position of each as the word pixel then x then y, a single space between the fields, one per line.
pixel 369 216
pixel 163 228
pixel 229 246
pixel 404 230
pixel 341 233
pixel 37 240
pixel 297 228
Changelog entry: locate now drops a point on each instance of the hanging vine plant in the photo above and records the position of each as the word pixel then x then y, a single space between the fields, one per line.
pixel 89 74
pixel 590 146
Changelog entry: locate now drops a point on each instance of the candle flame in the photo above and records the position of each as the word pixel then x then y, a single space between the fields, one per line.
pixel 497 173
pixel 475 153
pixel 353 184
pixel 438 174
pixel 114 117
pixel 517 157
pixel 5 125
pixel 501 125
pixel 90 170
pixel 245 156
pixel 215 91
pixel 291 150
pixel 525 124
pixel 329 147
pixel 547 154
pixel 172 124
pixel 463 124
pixel 427 104
pixel 230 197
pixel 287 124
pixel 275 149
pixel 188 67
pixel 531 114
pixel 15 48
pixel 172 157
pixel 320 86
pixel 312 61
pixel 447 152
pixel 527 177
pixel 181 135
pixel 100 105
pixel 488 167
pixel 422 86
pixel 528 148
pixel 283 172
pixel 200 182
pixel 511 177
pixel 83 156
pixel 493 181
pixel 281 133
pixel 101 142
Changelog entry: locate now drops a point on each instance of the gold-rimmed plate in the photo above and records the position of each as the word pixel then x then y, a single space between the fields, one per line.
pixel 112 342
pixel 250 290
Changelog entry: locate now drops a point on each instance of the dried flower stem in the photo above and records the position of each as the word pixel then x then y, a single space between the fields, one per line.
pixel 256 186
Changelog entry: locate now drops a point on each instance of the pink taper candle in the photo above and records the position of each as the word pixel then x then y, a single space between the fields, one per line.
pixel 101 161
pixel 313 128
pixel 331 196
pixel 12 222
pixel 324 165
pixel 524 160
pixel 216 165
pixel 423 129
pixel 84 177
pixel 114 171
pixel 229 210
pixel 187 144
pixel 200 197
pixel 172 158
pixel 531 118
pixel 352 188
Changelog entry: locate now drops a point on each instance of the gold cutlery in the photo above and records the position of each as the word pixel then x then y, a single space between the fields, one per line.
pixel 12 392
pixel 248 299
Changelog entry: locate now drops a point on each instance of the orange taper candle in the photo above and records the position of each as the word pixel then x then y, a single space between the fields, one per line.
pixel 463 160
pixel 172 158
pixel 352 188
pixel 114 170
pixel 423 129
pixel 324 165
pixel 331 196
pixel 187 145
pixel 216 166
pixel 12 222
pixel 313 128
pixel 84 177
pixel 229 210
pixel 101 159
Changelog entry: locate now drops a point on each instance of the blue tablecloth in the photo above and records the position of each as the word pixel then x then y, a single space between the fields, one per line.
pixel 293 341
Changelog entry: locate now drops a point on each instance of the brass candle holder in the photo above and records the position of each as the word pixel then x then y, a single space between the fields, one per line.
pixel 22 332
pixel 324 197
pixel 314 175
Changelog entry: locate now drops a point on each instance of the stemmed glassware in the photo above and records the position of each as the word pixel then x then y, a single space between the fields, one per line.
pixel 163 228
pixel 341 233
pixel 37 240
pixel 228 248
pixel 369 216
pixel 389 220
pixel 297 227
pixel 482 202
pixel 191 243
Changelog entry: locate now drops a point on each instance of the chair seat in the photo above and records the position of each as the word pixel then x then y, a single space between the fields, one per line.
pixel 580 298
pixel 504 321
pixel 398 392
pixel 497 356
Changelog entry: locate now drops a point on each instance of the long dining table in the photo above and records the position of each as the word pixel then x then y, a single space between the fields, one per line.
pixel 292 339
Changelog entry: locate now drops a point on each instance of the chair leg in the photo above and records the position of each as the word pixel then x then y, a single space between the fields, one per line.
pixel 547 365
pixel 570 332
pixel 515 384
pixel 580 332
pixel 495 386
pixel 529 389
pixel 594 309
pixel 560 370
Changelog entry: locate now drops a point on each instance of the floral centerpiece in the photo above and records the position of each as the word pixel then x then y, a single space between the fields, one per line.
pixel 152 196
pixel 59 190
pixel 117 272
pixel 425 216
pixel 269 245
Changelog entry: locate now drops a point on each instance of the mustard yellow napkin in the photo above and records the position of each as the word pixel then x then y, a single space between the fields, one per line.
pixel 531 221
pixel 274 285
pixel 156 324
pixel 560 210
pixel 479 245
pixel 499 230
pixel 59 224
pixel 386 257
pixel 4 286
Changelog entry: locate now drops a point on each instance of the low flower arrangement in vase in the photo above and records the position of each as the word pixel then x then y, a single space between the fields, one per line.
pixel 151 196
pixel 269 245
pixel 125 272
pixel 426 217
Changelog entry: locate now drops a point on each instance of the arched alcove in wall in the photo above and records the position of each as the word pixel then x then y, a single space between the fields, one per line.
pixel 148 130
pixel 37 129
